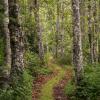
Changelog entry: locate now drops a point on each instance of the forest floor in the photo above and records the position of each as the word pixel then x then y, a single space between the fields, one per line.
pixel 51 87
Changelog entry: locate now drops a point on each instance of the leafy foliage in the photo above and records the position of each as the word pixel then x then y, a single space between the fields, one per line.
pixel 34 65
pixel 22 90
pixel 90 86
pixel 69 88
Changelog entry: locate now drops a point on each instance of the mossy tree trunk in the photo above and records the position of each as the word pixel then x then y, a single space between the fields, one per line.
pixel 90 32
pixel 38 30
pixel 4 79
pixel 77 43
pixel 17 42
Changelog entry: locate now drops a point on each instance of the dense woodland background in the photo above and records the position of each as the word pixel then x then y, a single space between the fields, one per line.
pixel 48 39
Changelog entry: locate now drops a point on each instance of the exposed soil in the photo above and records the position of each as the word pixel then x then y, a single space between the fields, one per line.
pixel 39 82
pixel 59 88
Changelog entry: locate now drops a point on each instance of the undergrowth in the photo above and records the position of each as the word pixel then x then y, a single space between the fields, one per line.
pixel 89 88
pixel 22 90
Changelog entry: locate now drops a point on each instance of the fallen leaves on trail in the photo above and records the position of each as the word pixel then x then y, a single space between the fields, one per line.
pixel 41 79
pixel 59 88
pixel 38 83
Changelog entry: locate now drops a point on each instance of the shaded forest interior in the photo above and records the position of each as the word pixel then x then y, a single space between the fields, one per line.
pixel 49 49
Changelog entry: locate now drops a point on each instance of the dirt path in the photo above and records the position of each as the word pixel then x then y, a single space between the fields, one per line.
pixel 47 90
pixel 58 90
pixel 39 83
pixel 51 87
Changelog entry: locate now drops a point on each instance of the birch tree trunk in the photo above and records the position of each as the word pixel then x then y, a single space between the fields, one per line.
pixel 38 30
pixel 57 30
pixel 77 44
pixel 7 37
pixel 90 33
pixel 82 17
pixel 99 31
pixel 62 31
pixel 7 63
pixel 17 42
pixel 95 41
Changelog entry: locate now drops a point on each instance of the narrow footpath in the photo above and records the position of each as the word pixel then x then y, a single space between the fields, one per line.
pixel 47 89
pixel 52 86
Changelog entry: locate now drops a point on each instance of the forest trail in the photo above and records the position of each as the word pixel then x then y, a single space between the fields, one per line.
pixel 51 86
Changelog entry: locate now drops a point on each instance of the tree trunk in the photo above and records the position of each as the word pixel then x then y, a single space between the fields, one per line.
pixel 7 64
pixel 95 42
pixel 62 31
pixel 77 44
pixel 7 37
pixel 17 42
pixel 99 31
pixel 38 31
pixel 57 30
pixel 82 17
pixel 90 33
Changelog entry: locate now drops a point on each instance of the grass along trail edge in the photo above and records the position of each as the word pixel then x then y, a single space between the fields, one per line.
pixel 47 89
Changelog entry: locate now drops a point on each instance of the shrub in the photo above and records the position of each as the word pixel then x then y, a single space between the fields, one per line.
pixel 35 66
pixel 69 88
pixel 65 60
pixel 44 71
pixel 32 59
pixel 6 94
pixel 22 90
pixel 33 62
pixel 89 88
